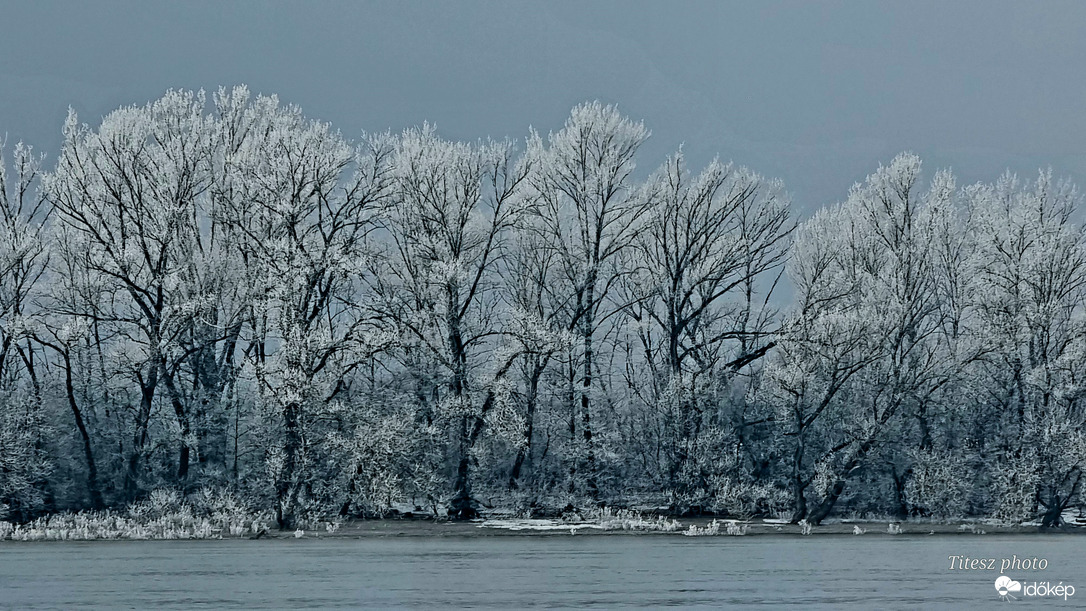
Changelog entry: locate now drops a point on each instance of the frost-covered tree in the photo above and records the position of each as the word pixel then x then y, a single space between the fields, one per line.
pixel 707 241
pixel 1030 303
pixel 298 202
pixel 536 322
pixel 452 208
pixel 867 343
pixel 588 210
pixel 234 296
pixel 24 255
pixel 709 255
pixel 822 347
pixel 131 197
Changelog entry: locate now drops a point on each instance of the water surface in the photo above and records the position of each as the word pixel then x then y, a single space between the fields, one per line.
pixel 828 572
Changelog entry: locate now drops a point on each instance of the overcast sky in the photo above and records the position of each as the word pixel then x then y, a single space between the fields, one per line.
pixel 816 93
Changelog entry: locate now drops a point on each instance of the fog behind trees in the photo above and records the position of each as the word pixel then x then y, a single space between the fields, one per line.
pixel 216 292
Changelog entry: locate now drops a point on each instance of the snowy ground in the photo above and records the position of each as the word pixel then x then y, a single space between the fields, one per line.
pixel 553 527
pixel 499 523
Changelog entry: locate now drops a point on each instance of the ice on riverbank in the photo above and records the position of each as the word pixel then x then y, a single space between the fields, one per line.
pixel 538 524
pixel 605 519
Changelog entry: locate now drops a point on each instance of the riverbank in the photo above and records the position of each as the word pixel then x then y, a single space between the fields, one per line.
pixel 773 528
pixel 92 527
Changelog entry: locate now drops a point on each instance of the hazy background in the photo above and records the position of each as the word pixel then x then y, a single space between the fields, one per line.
pixel 817 93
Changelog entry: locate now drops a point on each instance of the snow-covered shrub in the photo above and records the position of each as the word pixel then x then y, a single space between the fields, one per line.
pixel 374 463
pixel 748 499
pixel 713 528
pixel 163 501
pixel 24 465
pixel 163 515
pixel 732 528
pixel 939 484
pixel 1014 488
pixel 736 529
pixel 626 519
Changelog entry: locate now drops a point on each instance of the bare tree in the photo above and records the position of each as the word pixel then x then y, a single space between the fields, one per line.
pixel 708 243
pixel 1030 271
pixel 872 318
pixel 24 256
pixel 298 202
pixel 131 194
pixel 538 309
pixel 453 207
pixel 588 211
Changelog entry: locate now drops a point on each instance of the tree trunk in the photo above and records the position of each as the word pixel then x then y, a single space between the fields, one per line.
pixel 591 484
pixel 462 506
pixel 571 403
pixel 143 417
pixel 213 377
pixel 899 491
pixel 1053 516
pixel 826 506
pixel 799 499
pixel 529 422
pixel 925 428
pixel 286 485
pixel 88 454
pixel 183 423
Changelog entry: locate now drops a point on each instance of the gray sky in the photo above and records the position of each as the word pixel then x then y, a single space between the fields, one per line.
pixel 816 93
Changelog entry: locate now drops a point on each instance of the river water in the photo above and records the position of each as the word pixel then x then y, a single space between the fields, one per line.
pixel 522 572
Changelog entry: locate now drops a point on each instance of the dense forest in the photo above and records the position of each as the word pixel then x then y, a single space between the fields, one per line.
pixel 226 295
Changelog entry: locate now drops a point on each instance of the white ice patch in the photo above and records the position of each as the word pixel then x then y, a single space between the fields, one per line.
pixel 537 524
